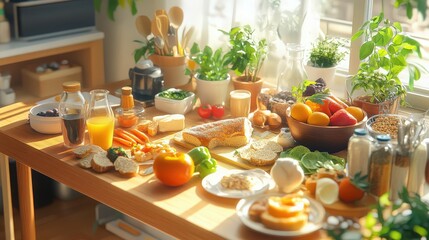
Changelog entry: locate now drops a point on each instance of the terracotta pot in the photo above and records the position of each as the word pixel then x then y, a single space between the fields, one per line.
pixel 173 69
pixel 376 108
pixel 253 87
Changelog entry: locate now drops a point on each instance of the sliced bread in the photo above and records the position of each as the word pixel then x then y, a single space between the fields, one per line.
pixel 86 161
pixel 100 163
pixel 126 167
pixel 267 145
pixel 83 151
pixel 263 157
pixel 246 153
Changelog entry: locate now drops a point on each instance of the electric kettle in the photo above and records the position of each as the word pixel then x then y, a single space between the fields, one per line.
pixel 146 80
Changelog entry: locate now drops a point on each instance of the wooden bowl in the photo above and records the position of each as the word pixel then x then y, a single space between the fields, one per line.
pixel 322 138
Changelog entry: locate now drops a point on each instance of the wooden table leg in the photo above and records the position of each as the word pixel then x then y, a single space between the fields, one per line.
pixel 26 208
pixel 7 197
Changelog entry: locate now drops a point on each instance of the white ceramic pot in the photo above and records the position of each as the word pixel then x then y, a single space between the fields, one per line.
pixel 213 92
pixel 314 73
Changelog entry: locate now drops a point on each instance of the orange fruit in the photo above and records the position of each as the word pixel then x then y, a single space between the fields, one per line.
pixel 357 112
pixel 173 168
pixel 300 112
pixel 318 118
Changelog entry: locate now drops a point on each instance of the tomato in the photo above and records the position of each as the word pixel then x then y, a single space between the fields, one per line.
pixel 349 192
pixel 173 169
pixel 205 111
pixel 218 111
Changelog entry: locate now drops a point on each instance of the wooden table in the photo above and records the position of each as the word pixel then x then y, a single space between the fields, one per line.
pixel 185 212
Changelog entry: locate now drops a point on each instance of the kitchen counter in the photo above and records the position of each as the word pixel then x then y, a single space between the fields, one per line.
pixel 185 212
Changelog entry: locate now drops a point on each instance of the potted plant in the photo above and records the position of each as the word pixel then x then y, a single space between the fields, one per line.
pixel 247 57
pixel 211 71
pixel 385 55
pixel 325 54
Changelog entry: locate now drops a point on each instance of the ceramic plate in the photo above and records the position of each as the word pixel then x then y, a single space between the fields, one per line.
pixel 315 221
pixel 261 182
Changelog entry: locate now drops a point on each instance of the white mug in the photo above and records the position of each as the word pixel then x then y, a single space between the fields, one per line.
pixel 240 103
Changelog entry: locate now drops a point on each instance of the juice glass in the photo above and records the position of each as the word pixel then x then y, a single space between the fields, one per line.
pixel 100 119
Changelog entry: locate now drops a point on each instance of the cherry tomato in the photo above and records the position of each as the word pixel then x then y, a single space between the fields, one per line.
pixel 205 111
pixel 218 111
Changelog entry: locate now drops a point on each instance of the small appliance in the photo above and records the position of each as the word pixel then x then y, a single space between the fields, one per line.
pixel 146 80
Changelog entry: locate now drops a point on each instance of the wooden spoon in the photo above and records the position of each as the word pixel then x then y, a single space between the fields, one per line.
pixel 143 25
pixel 163 24
pixel 187 37
pixel 157 34
pixel 176 19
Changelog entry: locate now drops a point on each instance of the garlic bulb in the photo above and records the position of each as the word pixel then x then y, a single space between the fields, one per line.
pixel 287 174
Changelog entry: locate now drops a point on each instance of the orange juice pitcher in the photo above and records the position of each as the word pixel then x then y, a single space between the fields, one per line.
pixel 100 119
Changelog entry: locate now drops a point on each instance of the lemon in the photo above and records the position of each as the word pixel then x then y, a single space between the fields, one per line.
pixel 327 191
pixel 300 112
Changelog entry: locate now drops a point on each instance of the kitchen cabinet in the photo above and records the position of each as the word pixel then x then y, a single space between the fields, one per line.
pixel 84 49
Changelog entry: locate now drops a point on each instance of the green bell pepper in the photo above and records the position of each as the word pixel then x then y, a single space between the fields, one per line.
pixel 206 167
pixel 198 154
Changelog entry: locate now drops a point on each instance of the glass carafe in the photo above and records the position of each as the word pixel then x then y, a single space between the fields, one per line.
pixel 100 119
pixel 294 72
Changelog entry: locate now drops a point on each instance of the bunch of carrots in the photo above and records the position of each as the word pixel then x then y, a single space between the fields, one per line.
pixel 130 137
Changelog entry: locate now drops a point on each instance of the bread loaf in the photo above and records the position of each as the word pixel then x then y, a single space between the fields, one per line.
pixel 234 132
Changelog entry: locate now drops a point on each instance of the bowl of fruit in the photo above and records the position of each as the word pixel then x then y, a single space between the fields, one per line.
pixel 44 118
pixel 324 122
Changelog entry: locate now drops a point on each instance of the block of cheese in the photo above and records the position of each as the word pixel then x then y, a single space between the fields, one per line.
pixel 170 122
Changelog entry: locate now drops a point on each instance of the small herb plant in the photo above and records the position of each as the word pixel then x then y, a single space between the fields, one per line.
pixel 210 65
pixel 384 55
pixel 147 48
pixel 247 55
pixel 327 52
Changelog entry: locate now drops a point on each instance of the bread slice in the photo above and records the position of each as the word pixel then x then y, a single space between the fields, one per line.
pixel 83 151
pixel 234 132
pixel 246 153
pixel 86 161
pixel 126 167
pixel 263 157
pixel 267 145
pixel 100 163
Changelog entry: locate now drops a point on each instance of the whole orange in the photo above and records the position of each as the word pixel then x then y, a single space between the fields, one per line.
pixel 318 118
pixel 357 112
pixel 300 112
pixel 173 169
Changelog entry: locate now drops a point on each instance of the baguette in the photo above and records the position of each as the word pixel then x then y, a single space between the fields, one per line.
pixel 126 167
pixel 229 132
pixel 100 163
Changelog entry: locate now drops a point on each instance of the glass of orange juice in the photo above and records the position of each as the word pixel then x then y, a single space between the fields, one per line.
pixel 100 119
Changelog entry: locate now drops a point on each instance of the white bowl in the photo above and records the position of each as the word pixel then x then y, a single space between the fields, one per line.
pixel 46 125
pixel 175 106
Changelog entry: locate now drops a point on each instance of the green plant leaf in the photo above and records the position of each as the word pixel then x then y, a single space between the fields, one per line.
pixel 111 8
pixel 409 9
pixel 357 34
pixel 398 26
pixel 366 49
pixel 97 5
pixel 398 39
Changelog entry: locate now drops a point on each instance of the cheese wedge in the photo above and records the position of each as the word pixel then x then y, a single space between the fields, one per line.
pixel 170 122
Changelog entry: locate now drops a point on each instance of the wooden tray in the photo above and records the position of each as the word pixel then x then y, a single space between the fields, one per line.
pixel 357 209
pixel 230 155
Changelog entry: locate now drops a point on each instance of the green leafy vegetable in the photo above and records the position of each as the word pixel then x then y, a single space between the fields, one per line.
pixel 175 94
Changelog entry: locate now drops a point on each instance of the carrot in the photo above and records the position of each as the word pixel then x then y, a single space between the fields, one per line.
pixel 120 133
pixel 132 136
pixel 339 101
pixel 140 135
pixel 123 141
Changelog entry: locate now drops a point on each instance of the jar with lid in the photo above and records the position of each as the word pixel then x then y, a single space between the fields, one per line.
pixel 294 72
pixel 71 110
pixel 358 152
pixel 128 114
pixel 380 166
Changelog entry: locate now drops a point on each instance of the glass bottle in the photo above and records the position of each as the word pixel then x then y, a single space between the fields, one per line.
pixel 126 114
pixel 294 72
pixel 358 152
pixel 380 166
pixel 71 110
pixel 100 119
pixel 419 161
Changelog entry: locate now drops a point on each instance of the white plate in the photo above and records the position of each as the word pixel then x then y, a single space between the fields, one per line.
pixel 316 217
pixel 113 101
pixel 262 181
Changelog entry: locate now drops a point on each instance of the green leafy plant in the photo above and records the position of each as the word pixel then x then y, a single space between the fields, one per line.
pixel 147 48
pixel 114 4
pixel 327 52
pixel 407 218
pixel 384 55
pixel 211 65
pixel 247 55
pixel 410 5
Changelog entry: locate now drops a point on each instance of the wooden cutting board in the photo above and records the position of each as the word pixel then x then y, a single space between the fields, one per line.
pixel 230 155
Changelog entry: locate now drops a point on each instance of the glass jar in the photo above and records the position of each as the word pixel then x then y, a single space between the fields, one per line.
pixel 293 74
pixel 358 152
pixel 127 115
pixel 71 110
pixel 100 119
pixel 380 166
